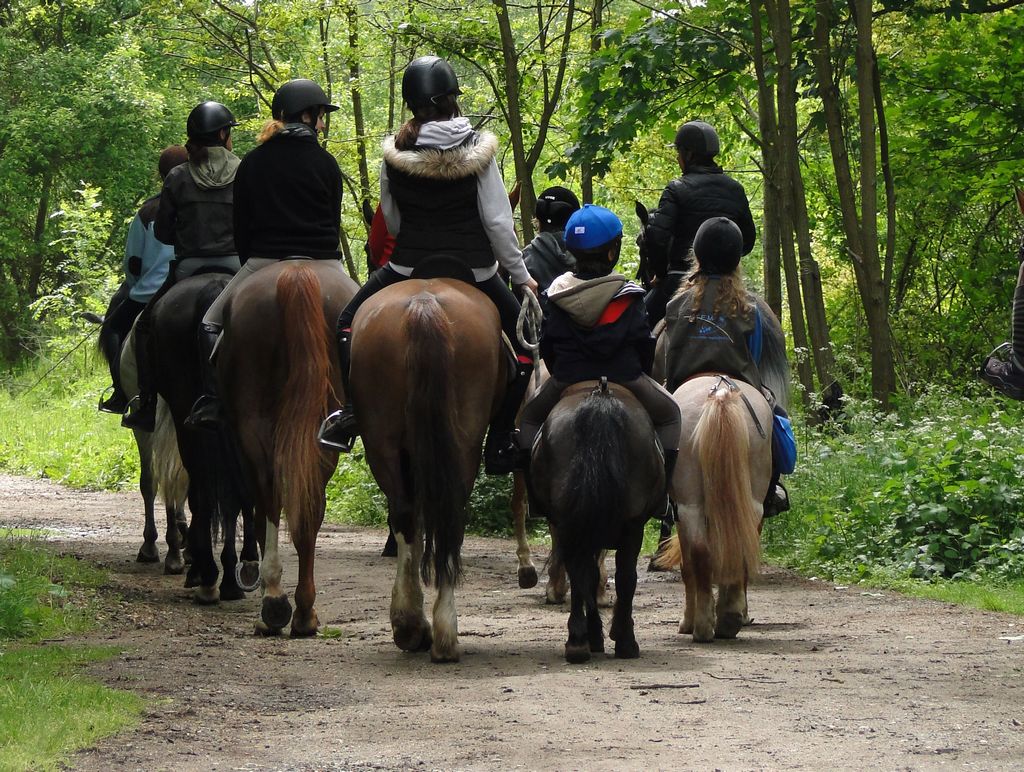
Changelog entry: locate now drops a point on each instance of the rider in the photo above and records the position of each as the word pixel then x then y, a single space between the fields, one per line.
pixel 546 256
pixel 595 326
pixel 287 206
pixel 713 326
pixel 146 261
pixel 703 191
pixel 195 216
pixel 441 193
pixel 1008 376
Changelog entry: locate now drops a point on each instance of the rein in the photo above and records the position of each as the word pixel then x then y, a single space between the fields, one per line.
pixel 528 330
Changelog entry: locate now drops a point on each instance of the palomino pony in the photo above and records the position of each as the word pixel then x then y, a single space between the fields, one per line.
pixel 719 486
pixel 428 370
pixel 598 474
pixel 276 366
pixel 215 493
pixel 160 469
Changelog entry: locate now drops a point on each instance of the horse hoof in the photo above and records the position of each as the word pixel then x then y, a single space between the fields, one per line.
pixel 653 567
pixel 173 564
pixel 148 553
pixel 703 635
pixel 412 636
pixel 305 628
pixel 231 592
pixel 206 596
pixel 527 577
pixel 728 625
pixel 247 574
pixel 627 650
pixel 553 598
pixel 193 578
pixel 263 630
pixel 441 657
pixel 577 655
pixel 276 611
pixel 390 547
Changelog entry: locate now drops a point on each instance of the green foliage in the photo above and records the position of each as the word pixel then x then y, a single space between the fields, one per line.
pixel 932 491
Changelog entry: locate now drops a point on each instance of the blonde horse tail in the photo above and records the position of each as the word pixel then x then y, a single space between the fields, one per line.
pixel 723 448
pixel 439 495
pixel 669 554
pixel 168 472
pixel 298 462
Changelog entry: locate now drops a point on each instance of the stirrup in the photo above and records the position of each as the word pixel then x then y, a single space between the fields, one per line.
pixel 205 414
pixel 137 415
pixel 336 432
pixel 116 403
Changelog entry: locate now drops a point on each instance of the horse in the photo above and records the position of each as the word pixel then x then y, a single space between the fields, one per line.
pixel 430 352
pixel 215 492
pixel 278 374
pixel 598 474
pixel 719 486
pixel 160 469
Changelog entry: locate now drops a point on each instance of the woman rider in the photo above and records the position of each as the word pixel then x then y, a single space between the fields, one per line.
pixel 442 194
pixel 287 206
pixel 194 215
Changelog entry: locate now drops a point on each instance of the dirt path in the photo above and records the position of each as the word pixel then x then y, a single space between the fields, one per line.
pixel 827 677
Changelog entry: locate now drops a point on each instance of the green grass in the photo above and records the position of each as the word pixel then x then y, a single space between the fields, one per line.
pixel 48 709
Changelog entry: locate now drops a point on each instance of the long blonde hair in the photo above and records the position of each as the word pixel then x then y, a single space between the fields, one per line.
pixel 733 299
pixel 269 130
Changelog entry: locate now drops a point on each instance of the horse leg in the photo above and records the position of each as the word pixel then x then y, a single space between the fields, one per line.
pixel 520 509
pixel 577 647
pixel 229 589
pixel 248 575
pixel 148 552
pixel 276 611
pixel 446 625
pixel 305 621
pixel 409 626
pixel 602 579
pixel 556 589
pixel 595 632
pixel 626 555
pixel 700 599
pixel 174 563
pixel 730 610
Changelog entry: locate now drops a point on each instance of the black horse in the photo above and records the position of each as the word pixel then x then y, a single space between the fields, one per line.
pixel 216 494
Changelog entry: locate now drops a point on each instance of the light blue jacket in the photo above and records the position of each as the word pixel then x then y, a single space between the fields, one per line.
pixel 146 259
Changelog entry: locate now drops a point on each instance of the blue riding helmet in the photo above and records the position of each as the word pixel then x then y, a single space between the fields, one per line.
pixel 592 227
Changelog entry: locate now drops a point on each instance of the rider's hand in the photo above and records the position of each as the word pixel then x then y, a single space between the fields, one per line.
pixel 530 285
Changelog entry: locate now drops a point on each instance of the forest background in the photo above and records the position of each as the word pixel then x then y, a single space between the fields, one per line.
pixel 879 143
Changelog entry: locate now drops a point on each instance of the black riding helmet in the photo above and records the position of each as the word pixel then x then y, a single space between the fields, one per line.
pixel 207 119
pixel 555 205
pixel 718 246
pixel 293 98
pixel 426 79
pixel 699 138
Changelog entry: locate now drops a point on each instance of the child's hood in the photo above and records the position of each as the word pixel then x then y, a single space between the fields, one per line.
pixel 584 300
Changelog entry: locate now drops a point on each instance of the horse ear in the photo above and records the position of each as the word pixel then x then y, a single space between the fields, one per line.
pixel 641 212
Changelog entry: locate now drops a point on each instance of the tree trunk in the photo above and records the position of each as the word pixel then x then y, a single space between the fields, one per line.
pixel 352 15
pixel 586 172
pixel 35 274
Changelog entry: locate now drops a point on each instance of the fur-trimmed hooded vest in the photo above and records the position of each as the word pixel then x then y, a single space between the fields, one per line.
pixel 436 194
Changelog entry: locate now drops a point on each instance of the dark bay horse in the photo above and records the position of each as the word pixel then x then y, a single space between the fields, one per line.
pixel 719 486
pixel 277 369
pixel 428 371
pixel 215 494
pixel 598 474
pixel 160 470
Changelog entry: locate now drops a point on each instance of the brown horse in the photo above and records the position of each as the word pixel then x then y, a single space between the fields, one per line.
pixel 719 486
pixel 598 474
pixel 277 372
pixel 428 371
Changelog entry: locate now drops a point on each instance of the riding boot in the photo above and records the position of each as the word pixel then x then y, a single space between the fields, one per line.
pixel 671 454
pixel 207 412
pixel 142 416
pixel 117 402
pixel 501 451
pixel 339 430
pixel 777 499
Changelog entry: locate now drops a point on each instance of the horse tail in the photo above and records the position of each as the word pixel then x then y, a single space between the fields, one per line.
pixel 774 366
pixel 303 403
pixel 595 498
pixel 171 477
pixel 723 447
pixel 669 554
pixel 439 494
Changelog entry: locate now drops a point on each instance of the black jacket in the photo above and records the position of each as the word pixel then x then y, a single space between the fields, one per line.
pixel 615 342
pixel 288 199
pixel 701 193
